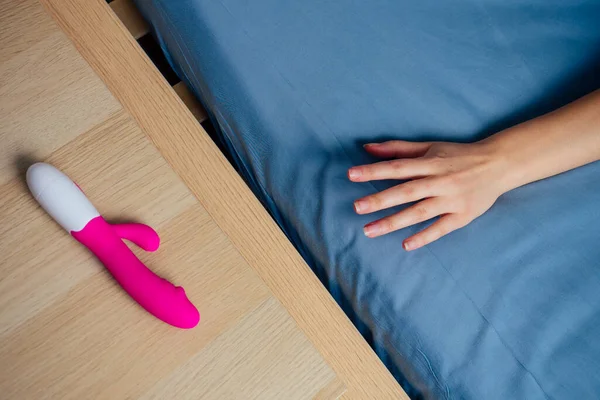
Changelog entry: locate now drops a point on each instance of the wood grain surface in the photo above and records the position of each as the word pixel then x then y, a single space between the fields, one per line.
pixel 41 70
pixel 121 64
pixel 190 101
pixel 133 21
pixel 130 17
pixel 67 330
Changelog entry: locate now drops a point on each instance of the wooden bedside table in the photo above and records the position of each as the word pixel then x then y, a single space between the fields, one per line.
pixel 103 114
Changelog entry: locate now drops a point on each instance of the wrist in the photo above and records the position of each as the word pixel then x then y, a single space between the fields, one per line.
pixel 506 162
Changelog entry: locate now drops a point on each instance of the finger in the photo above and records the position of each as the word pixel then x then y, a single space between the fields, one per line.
pixel 439 228
pixel 400 194
pixel 419 212
pixel 398 149
pixel 394 169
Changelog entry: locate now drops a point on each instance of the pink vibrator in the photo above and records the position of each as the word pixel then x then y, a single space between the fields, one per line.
pixel 67 204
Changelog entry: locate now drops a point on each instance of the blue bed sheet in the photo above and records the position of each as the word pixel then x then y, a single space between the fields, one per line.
pixel 506 308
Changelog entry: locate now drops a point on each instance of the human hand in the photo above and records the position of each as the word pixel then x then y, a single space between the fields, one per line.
pixel 458 182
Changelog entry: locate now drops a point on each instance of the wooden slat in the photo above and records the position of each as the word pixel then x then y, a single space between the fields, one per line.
pixel 130 17
pixel 192 154
pixel 190 101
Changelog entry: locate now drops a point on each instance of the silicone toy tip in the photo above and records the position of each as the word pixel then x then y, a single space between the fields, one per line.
pixel 192 321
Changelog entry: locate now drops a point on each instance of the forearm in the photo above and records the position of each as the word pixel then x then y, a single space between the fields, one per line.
pixel 556 142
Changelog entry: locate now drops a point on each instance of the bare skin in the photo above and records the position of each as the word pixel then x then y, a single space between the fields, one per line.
pixel 460 182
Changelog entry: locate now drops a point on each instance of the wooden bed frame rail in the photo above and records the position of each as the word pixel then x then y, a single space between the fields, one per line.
pixel 129 15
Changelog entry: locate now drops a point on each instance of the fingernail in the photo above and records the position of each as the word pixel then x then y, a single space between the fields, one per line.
pixel 354 173
pixel 370 145
pixel 359 206
pixel 371 229
pixel 408 246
